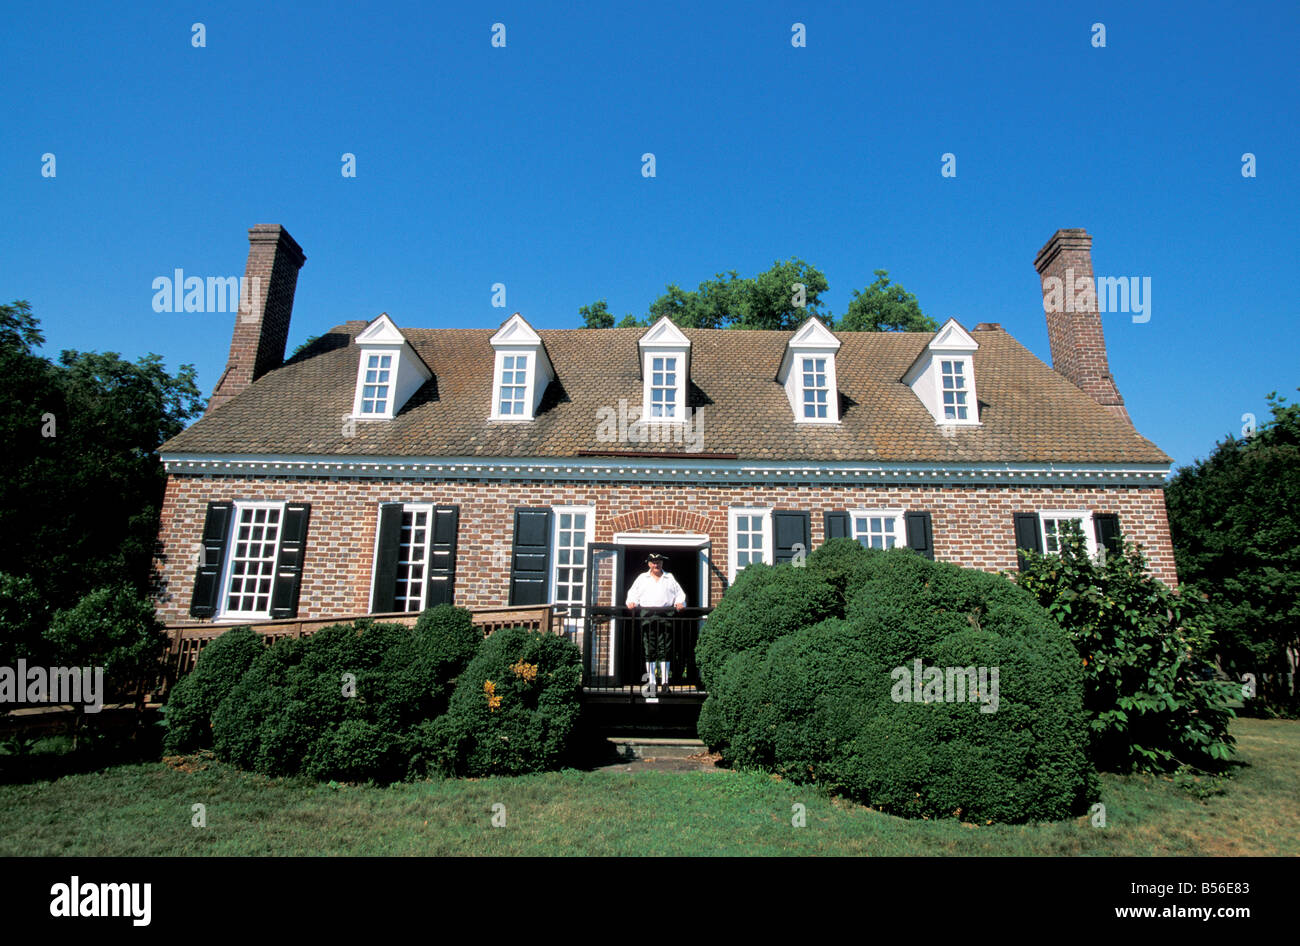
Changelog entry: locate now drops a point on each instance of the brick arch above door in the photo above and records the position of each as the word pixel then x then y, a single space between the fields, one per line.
pixel 665 520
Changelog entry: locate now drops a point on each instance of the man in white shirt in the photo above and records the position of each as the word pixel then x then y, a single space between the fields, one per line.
pixel 654 591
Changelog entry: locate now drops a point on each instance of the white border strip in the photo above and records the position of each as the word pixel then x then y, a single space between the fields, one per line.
pixel 585 469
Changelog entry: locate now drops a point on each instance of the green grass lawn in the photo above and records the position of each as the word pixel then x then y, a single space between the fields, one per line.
pixel 144 810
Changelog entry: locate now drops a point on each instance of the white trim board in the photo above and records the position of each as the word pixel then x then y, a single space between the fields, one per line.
pixel 587 469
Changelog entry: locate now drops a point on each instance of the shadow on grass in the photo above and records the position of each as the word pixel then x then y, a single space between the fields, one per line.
pixel 49 757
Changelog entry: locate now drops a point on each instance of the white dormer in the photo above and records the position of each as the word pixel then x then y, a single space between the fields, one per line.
pixel 521 373
pixel 665 373
pixel 808 373
pixel 943 376
pixel 389 373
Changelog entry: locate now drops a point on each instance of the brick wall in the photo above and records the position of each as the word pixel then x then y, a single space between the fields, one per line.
pixel 973 525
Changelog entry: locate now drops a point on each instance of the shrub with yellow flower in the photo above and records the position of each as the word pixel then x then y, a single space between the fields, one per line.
pixel 490 690
pixel 525 671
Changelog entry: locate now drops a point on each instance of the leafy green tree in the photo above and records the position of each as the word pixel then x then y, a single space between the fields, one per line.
pixel 596 315
pixel 885 307
pixel 770 300
pixel 1148 686
pixel 1234 519
pixel 780 298
pixel 114 628
pixel 80 480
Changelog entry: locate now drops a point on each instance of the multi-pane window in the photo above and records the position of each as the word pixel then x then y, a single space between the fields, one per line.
pixel 876 529
pixel 750 535
pixel 514 379
pixel 1054 525
pixel 954 390
pixel 749 540
pixel 375 385
pixel 663 386
pixel 570 555
pixel 412 559
pixel 256 542
pixel 815 390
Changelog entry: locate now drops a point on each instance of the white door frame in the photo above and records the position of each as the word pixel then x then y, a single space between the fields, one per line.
pixel 688 540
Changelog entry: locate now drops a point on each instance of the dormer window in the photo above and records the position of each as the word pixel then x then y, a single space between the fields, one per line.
pixel 521 372
pixel 815 390
pixel 808 373
pixel 954 389
pixel 663 387
pixel 375 389
pixel 665 373
pixel 943 376
pixel 514 382
pixel 390 371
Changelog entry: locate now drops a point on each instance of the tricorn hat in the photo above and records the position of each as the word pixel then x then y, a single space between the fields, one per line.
pixel 655 557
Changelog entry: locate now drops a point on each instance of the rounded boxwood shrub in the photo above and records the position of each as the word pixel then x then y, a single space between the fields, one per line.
pixel 764 602
pixel 835 561
pixel 514 708
pixel 348 702
pixel 834 703
pixel 196 696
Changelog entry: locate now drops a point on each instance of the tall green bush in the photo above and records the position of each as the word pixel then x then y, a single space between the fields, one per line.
pixel 1148 687
pixel 823 703
pixel 347 703
pixel 514 708
pixel 196 696
pixel 764 602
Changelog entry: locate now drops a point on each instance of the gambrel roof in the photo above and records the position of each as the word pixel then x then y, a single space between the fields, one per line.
pixel 1028 412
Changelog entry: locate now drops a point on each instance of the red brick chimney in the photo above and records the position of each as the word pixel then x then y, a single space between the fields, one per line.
pixel 1073 322
pixel 265 304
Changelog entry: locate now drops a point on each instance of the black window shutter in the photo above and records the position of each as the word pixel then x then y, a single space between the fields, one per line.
pixel 920 537
pixel 1106 527
pixel 390 536
pixel 790 528
pixel 207 579
pixel 837 525
pixel 442 556
pixel 288 565
pixel 1028 535
pixel 530 567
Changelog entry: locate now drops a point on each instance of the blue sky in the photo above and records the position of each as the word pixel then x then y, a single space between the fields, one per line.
pixel 522 165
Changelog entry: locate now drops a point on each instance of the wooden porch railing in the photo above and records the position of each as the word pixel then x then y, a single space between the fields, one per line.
pixel 188 640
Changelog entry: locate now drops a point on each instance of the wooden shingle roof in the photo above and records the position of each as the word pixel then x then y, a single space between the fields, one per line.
pixel 1028 412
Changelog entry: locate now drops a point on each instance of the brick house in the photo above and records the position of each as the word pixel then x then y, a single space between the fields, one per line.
pixel 386 469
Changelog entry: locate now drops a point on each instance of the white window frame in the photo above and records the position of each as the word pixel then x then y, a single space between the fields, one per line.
pixel 828 373
pixel 588 538
pixel 1085 523
pixel 899 528
pixel 530 364
pixel 393 365
pixel 733 552
pixel 678 387
pixel 228 566
pixel 427 509
pixel 965 366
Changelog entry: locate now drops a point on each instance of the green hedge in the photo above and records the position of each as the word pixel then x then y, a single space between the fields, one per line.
pixel 818 704
pixel 347 703
pixel 514 709
pixel 764 603
pixel 196 696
